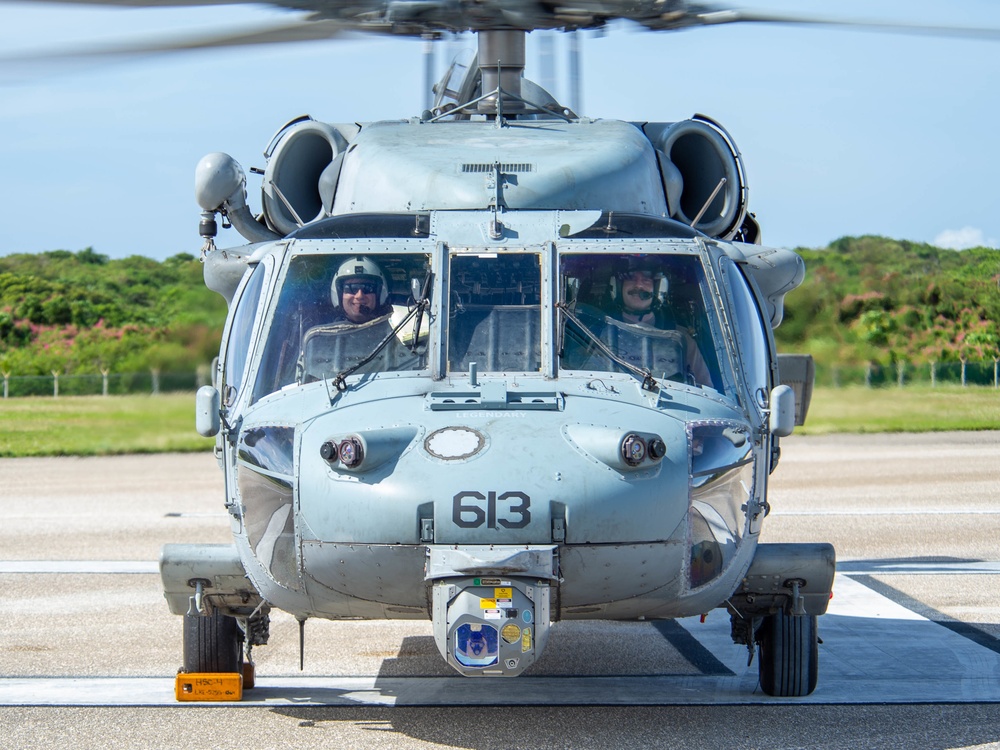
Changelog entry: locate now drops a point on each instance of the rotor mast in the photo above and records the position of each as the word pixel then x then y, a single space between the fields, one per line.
pixel 501 64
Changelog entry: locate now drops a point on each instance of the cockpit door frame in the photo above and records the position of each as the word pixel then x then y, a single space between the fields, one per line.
pixel 237 404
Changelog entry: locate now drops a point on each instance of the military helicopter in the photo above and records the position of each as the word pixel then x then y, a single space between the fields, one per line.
pixel 495 366
pixel 504 440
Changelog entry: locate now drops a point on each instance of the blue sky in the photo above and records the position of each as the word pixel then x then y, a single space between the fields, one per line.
pixel 843 133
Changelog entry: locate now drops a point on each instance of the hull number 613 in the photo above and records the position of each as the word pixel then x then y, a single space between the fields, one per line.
pixel 471 509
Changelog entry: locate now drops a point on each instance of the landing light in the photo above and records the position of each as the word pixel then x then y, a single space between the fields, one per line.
pixel 633 449
pixel 351 453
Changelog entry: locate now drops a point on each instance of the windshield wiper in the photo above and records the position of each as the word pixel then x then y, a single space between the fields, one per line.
pixel 649 382
pixel 421 305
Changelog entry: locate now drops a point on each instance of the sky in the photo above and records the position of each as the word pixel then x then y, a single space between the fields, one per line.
pixel 842 132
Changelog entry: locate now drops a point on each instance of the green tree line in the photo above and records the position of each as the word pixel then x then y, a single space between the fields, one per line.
pixel 872 300
pixel 84 313
pixel 865 300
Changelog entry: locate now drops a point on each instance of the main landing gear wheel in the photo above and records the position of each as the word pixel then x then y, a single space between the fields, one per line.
pixel 789 655
pixel 212 643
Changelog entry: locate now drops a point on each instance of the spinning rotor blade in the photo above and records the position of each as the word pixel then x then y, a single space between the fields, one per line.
pixel 300 31
pixel 330 19
pixel 725 16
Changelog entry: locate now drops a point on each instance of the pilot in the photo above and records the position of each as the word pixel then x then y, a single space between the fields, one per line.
pixel 359 291
pixel 638 297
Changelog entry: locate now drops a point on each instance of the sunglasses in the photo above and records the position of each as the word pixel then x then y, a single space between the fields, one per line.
pixel 365 287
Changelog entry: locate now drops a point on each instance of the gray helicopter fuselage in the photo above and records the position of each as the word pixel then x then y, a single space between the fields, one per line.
pixel 418 166
pixel 500 446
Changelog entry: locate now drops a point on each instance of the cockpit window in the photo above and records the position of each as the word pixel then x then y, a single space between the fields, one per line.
pixel 240 332
pixel 495 313
pixel 335 311
pixel 647 311
pixel 750 329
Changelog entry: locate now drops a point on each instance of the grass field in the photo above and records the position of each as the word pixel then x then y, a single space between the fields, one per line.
pixel 98 425
pixel 95 425
pixel 910 409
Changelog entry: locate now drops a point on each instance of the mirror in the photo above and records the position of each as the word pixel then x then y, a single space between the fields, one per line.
pixel 206 416
pixel 782 417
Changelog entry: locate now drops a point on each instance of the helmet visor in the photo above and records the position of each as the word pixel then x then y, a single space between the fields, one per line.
pixel 355 286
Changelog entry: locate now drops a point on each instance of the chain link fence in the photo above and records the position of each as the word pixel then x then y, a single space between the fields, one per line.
pixel 901 374
pixel 112 384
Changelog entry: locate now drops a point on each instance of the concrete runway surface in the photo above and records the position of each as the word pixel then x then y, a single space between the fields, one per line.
pixel 910 654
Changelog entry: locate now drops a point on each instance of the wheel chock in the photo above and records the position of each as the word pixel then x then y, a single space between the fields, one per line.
pixel 249 675
pixel 208 686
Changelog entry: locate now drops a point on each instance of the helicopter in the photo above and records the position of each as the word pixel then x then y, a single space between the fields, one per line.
pixel 491 448
pixel 559 398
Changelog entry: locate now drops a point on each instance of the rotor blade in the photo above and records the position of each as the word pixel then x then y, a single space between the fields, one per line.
pixel 331 18
pixel 299 31
pixel 719 17
pixel 133 3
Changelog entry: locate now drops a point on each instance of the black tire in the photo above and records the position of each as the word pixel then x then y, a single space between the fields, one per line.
pixel 212 643
pixel 789 655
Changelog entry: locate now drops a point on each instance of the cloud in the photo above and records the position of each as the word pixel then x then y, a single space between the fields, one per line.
pixel 961 239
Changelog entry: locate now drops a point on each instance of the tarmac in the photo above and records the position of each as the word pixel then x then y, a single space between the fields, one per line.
pixel 909 649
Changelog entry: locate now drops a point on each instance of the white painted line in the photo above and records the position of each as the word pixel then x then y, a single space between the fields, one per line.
pixel 855 600
pixel 874 651
pixel 531 691
pixel 916 567
pixel 79 566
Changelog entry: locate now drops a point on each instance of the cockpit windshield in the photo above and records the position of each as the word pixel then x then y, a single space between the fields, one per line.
pixel 339 312
pixel 495 314
pixel 641 313
pixel 648 314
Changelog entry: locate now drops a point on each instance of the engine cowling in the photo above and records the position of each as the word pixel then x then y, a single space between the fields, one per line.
pixel 301 175
pixel 695 156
